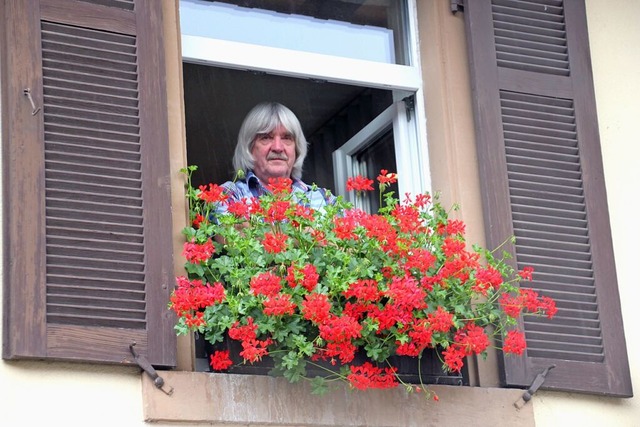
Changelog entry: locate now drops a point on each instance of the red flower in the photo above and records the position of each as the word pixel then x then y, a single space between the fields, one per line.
pixel 487 278
pixel 303 213
pixel 455 226
pixel 369 376
pixel 420 335
pixel 279 186
pixel 422 200
pixel 510 305
pixel 406 293
pixel 254 350
pixel 344 228
pixel 340 329
pixel 319 237
pixel 472 339
pixel 529 299
pixel 548 305
pixel 452 247
pixel 387 178
pixel 526 273
pixel 197 221
pixel 316 307
pixel 343 350
pixel 359 183
pixel 213 194
pixel 194 295
pixel 239 208
pixel 278 211
pixel 275 242
pixel 408 219
pixel 440 320
pixel 267 284
pixel 514 342
pixel 198 252
pixel 420 259
pixel 307 277
pixel 454 357
pixel 363 290
pixel 220 360
pixel 243 332
pixel 279 305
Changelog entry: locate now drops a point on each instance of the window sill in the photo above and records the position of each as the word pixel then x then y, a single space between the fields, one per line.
pixel 200 397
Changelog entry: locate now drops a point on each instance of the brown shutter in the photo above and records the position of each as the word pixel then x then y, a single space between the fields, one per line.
pixel 88 264
pixel 542 181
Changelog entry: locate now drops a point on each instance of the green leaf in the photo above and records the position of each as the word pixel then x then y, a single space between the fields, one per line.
pixel 319 386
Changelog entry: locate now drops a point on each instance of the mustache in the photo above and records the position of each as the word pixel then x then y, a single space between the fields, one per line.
pixel 277 156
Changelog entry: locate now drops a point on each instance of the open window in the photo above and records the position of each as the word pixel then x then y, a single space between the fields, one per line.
pixel 358 114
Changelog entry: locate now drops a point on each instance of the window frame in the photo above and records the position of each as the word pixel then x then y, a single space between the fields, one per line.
pixel 398 117
pixel 404 80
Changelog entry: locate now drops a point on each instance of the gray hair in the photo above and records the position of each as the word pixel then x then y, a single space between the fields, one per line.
pixel 264 118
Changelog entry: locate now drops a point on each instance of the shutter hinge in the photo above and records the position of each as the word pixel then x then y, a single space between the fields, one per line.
pixel 535 385
pixel 146 366
pixel 457 6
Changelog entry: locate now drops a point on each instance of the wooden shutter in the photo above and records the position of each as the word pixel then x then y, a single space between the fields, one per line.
pixel 88 265
pixel 542 181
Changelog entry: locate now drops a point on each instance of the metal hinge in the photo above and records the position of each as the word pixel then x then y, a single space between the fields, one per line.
pixel 535 385
pixel 146 366
pixel 457 6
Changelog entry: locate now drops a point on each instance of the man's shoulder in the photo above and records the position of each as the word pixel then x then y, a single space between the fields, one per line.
pixel 236 189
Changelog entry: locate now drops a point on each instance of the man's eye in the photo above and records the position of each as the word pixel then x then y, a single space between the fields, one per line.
pixel 264 137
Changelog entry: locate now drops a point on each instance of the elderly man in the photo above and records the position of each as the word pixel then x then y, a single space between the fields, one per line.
pixel 271 144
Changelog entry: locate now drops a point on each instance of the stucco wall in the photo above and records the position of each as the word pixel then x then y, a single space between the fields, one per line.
pixel 614 38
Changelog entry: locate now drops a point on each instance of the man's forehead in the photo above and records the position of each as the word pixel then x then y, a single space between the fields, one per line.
pixel 272 128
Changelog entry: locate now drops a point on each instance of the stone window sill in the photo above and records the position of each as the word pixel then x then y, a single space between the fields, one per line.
pixel 227 399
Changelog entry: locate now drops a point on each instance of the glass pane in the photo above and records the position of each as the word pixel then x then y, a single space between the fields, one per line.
pixel 380 155
pixel 371 30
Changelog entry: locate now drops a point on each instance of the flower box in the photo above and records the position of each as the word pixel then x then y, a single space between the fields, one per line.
pixel 363 297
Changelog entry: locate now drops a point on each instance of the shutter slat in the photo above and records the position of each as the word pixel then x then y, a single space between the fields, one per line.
pixel 88 106
pixel 89 133
pixel 96 143
pixel 96 284
pixel 72 167
pixel 88 272
pixel 518 29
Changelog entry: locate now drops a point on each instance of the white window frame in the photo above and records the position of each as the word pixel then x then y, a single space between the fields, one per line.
pixel 403 80
pixel 406 146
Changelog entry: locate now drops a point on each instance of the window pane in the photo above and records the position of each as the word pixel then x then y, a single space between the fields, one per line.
pixel 371 30
pixel 380 155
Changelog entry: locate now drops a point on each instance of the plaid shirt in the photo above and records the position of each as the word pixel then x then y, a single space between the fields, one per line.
pixel 251 187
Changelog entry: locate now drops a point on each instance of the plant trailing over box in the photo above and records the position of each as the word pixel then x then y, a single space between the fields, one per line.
pixel 306 287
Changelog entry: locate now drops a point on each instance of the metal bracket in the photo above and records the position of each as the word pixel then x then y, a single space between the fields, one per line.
pixel 34 108
pixel 535 385
pixel 409 105
pixel 146 366
pixel 457 6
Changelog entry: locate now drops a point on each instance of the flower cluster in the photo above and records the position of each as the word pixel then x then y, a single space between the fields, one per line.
pixel 311 287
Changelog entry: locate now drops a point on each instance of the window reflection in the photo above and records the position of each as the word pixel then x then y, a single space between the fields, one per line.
pixel 361 29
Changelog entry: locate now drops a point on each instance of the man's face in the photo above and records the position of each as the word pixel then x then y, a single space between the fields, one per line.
pixel 274 154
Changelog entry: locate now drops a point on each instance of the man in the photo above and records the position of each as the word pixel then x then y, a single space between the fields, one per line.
pixel 271 144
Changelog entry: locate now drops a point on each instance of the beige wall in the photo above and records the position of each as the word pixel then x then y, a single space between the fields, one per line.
pixel 614 38
pixel 39 393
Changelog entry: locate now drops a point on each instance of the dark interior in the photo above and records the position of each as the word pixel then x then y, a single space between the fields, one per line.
pixel 217 100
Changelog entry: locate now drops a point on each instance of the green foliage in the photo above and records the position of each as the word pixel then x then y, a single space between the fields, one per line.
pixel 391 280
